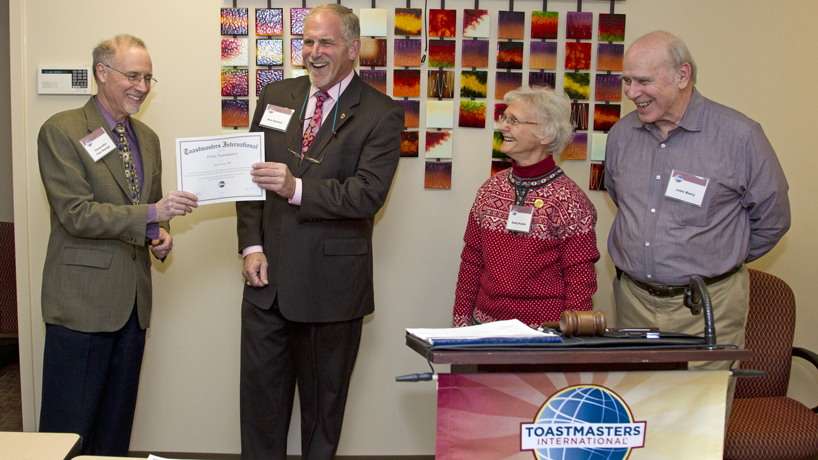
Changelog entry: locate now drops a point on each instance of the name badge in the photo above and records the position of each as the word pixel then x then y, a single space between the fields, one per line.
pixel 519 219
pixel 686 187
pixel 276 118
pixel 98 144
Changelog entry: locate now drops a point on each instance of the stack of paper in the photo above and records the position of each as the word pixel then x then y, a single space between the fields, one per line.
pixel 510 331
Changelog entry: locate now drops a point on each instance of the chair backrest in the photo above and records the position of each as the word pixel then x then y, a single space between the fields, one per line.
pixel 8 280
pixel 769 334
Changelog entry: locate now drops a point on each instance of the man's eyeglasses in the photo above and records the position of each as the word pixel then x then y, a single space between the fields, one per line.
pixel 135 78
pixel 513 121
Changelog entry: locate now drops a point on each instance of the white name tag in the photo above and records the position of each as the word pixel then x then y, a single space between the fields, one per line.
pixel 686 187
pixel 98 144
pixel 519 219
pixel 276 118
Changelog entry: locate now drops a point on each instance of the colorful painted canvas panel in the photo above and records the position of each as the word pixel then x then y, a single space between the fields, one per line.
pixel 296 49
pixel 605 115
pixel 474 83
pixel 270 22
pixel 297 16
pixel 511 25
pixel 439 144
pixel 598 142
pixel 373 52
pixel 373 22
pixel 495 147
pixel 438 175
pixel 235 112
pixel 476 23
pixel 234 21
pixel 611 28
pixel 409 143
pixel 509 55
pixel 499 109
pixel 374 78
pixel 579 25
pixel 577 85
pixel 442 23
pixel 544 24
pixel 543 55
pixel 577 149
pixel 597 181
pixel 472 114
pixel 577 56
pixel 235 82
pixel 407 52
pixel 440 83
pixel 266 76
pixel 440 114
pixel 234 52
pixel 497 166
pixel 579 115
pixel 505 82
pixel 608 88
pixel 411 111
pixel 441 53
pixel 609 57
pixel 406 83
pixel 408 21
pixel 544 79
pixel 269 51
pixel 475 53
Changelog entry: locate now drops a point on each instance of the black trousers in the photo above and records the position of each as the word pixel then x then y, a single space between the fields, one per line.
pixel 90 382
pixel 277 354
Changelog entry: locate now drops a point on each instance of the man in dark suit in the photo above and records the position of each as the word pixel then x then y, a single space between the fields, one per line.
pixel 102 172
pixel 308 248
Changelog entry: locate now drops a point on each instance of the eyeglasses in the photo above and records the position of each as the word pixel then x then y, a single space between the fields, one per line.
pixel 135 78
pixel 513 121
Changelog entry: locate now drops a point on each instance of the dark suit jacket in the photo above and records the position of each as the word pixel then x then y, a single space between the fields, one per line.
pixel 96 260
pixel 320 253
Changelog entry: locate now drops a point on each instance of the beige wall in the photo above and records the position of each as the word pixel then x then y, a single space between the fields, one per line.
pixel 751 56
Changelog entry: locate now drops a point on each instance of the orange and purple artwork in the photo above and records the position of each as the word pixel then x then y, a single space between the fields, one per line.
pixel 608 88
pixel 474 83
pixel 411 112
pixel 505 82
pixel 266 76
pixel 297 16
pixel 579 25
pixel 409 143
pixel 544 24
pixel 408 21
pixel 543 55
pixel 406 83
pixel 579 115
pixel 577 85
pixel 509 55
pixel 234 21
pixel 605 115
pixel 441 53
pixel 270 22
pixel 577 56
pixel 497 166
pixel 234 52
pixel 235 82
pixel 495 147
pixel 442 23
pixel 374 78
pixel 296 48
pixel 475 53
pixel 499 109
pixel 609 57
pixel 611 28
pixel 577 149
pixel 407 52
pixel 439 144
pixel 235 112
pixel 269 51
pixel 597 181
pixel 476 23
pixel 438 175
pixel 542 79
pixel 440 83
pixel 373 52
pixel 511 25
pixel 472 114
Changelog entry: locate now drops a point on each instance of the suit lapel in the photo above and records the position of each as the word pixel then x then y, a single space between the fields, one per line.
pixel 112 160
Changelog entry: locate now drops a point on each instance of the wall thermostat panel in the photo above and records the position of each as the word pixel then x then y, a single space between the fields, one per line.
pixel 64 80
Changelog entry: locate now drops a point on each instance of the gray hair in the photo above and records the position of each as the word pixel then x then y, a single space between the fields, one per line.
pixel 105 51
pixel 679 54
pixel 350 22
pixel 553 112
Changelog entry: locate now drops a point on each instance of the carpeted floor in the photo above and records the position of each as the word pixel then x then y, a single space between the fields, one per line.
pixel 11 406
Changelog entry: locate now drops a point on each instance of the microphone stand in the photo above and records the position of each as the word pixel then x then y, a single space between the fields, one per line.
pixel 696 296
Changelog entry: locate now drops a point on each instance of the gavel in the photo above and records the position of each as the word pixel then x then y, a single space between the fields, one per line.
pixel 580 323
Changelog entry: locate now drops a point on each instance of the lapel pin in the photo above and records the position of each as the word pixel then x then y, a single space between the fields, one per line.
pixel 343 115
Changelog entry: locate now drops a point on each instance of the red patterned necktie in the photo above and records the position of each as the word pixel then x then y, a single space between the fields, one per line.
pixel 315 121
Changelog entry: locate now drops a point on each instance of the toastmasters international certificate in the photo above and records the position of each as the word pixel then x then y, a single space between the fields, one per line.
pixel 217 168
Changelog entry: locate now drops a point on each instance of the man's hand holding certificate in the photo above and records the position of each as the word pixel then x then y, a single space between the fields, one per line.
pixel 217 168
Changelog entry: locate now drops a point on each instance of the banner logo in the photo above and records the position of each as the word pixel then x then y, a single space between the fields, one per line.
pixel 583 422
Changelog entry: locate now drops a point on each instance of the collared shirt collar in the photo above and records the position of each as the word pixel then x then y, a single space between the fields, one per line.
pixel 691 120
pixel 334 91
pixel 112 122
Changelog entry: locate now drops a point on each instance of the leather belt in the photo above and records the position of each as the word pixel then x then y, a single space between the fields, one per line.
pixel 664 290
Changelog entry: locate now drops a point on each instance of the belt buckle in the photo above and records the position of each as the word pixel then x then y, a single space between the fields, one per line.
pixel 657 290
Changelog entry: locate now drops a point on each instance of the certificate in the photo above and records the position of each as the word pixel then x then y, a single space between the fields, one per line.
pixel 217 168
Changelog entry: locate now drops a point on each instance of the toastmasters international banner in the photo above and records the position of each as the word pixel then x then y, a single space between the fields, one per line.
pixel 582 416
